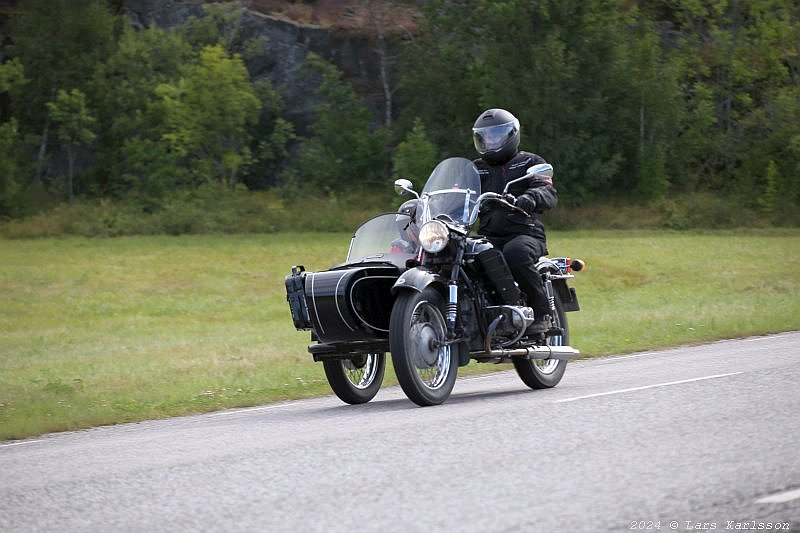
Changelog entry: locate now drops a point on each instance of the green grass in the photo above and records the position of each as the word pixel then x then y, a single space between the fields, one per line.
pixel 98 331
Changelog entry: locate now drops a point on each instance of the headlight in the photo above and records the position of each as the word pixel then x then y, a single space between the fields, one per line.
pixel 433 236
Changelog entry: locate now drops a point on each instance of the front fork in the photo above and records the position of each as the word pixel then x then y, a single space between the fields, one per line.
pixel 452 294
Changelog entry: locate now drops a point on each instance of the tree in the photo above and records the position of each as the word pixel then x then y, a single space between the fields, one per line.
pixel 554 64
pixel 131 122
pixel 223 24
pixel 416 155
pixel 342 149
pixel 60 42
pixel 9 184
pixel 208 112
pixel 271 137
pixel 73 123
pixel 12 75
pixel 440 81
pixel 741 61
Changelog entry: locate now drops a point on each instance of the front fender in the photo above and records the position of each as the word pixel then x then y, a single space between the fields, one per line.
pixel 418 279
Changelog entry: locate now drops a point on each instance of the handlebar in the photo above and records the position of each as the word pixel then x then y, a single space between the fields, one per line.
pixel 495 197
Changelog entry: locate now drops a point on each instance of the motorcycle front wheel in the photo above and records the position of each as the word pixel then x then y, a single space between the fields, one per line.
pixel 426 368
pixel 356 380
pixel 546 373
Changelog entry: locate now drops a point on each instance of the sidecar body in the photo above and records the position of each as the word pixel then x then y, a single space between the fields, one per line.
pixel 347 307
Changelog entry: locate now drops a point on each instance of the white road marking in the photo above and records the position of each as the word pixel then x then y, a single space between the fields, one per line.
pixel 22 443
pixel 250 409
pixel 632 389
pixel 781 497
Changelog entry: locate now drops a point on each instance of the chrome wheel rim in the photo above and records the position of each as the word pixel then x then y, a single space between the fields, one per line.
pixel 548 366
pixel 361 375
pixel 426 335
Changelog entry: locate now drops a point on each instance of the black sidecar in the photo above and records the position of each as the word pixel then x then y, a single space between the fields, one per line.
pixel 347 307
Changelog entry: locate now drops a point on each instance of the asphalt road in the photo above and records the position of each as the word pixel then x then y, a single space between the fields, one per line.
pixel 695 438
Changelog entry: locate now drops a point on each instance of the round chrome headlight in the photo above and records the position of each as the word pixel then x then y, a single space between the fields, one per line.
pixel 433 236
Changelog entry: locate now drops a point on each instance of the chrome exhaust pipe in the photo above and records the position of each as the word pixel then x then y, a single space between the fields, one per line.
pixel 564 353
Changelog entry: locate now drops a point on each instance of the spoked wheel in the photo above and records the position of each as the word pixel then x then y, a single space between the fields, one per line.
pixel 356 380
pixel 426 368
pixel 546 373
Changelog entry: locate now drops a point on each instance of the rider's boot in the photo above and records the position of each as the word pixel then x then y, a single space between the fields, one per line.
pixel 542 324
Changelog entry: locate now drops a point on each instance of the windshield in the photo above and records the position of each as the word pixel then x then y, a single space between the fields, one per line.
pixel 452 190
pixel 390 233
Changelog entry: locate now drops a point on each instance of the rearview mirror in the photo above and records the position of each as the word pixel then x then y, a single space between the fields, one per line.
pixel 403 187
pixel 541 171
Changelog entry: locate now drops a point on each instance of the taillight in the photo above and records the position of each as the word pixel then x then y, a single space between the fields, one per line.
pixel 577 265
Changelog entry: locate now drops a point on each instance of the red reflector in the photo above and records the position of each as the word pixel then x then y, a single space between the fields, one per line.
pixel 577 265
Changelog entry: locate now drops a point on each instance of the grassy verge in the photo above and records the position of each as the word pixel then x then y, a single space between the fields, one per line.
pixel 211 209
pixel 98 331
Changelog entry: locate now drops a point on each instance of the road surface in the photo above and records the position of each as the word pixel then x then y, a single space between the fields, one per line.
pixel 694 438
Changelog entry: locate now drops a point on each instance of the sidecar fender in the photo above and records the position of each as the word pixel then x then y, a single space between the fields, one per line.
pixel 418 279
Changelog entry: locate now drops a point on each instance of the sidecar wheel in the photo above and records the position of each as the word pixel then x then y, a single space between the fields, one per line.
pixel 356 380
pixel 425 368
pixel 546 373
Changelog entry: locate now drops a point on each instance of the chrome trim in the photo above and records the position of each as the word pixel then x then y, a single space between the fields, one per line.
pixel 536 352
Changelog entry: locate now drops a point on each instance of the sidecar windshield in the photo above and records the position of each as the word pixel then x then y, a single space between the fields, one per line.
pixel 452 189
pixel 385 237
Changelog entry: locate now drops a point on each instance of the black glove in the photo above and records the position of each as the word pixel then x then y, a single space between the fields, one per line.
pixel 526 203
pixel 486 205
pixel 510 198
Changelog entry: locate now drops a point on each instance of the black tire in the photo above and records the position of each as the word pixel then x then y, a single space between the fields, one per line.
pixel 426 373
pixel 356 380
pixel 546 373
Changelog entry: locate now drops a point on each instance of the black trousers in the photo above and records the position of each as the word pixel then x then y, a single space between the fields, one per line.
pixel 521 253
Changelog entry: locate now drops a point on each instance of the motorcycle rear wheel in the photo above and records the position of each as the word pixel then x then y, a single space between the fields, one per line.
pixel 356 380
pixel 425 367
pixel 546 373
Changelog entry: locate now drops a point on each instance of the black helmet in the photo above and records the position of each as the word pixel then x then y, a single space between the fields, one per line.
pixel 496 136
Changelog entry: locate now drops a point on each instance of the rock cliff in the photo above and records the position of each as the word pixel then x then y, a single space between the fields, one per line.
pixel 286 45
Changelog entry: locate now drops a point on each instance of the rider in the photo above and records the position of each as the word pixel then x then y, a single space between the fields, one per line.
pixel 520 235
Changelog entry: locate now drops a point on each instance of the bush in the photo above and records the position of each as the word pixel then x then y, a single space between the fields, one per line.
pixel 215 209
pixel 209 209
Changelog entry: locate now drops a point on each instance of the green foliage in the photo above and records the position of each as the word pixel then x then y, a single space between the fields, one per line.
pixel 767 199
pixel 151 170
pixel 439 82
pixel 131 123
pixel 12 75
pixel 648 100
pixel 271 137
pixel 72 118
pixel 60 43
pixel 222 24
pixel 73 123
pixel 9 185
pixel 210 208
pixel 597 107
pixel 342 151
pixel 416 155
pixel 208 112
pixel 639 100
pixel 741 60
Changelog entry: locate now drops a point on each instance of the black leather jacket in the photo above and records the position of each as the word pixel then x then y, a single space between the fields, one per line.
pixel 499 221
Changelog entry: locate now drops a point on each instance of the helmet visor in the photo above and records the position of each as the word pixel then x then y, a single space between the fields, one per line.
pixel 492 138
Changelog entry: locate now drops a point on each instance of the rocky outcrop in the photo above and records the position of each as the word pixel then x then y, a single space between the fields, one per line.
pixel 286 45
